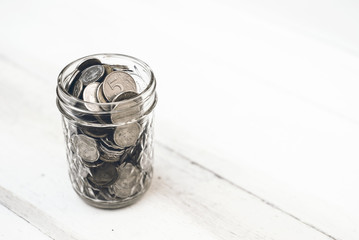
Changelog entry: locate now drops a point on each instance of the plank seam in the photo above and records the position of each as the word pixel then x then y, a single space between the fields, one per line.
pixel 7 207
pixel 245 190
pixel 33 215
pixel 16 65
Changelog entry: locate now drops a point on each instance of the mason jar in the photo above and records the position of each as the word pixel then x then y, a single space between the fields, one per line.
pixel 107 102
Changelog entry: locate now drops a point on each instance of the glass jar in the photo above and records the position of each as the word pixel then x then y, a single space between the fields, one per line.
pixel 107 103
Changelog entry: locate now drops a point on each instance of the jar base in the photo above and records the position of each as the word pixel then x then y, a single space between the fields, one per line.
pixel 110 204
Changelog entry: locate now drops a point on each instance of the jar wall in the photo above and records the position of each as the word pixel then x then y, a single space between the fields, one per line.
pixel 128 171
pixel 109 145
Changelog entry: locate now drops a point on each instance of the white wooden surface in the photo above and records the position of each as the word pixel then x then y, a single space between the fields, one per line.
pixel 256 126
pixel 13 227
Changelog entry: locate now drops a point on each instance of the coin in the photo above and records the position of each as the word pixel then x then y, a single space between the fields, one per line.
pixel 128 157
pixel 77 89
pixel 72 144
pixel 90 95
pixel 117 82
pixel 79 165
pixel 108 155
pixel 86 148
pixel 95 132
pixel 88 63
pixel 137 153
pixel 125 96
pixel 93 164
pixel 92 74
pixel 127 135
pixel 69 80
pixel 128 181
pixel 108 69
pixel 101 98
pixel 109 144
pixel 125 112
pixel 103 175
pixel 119 67
pixel 75 86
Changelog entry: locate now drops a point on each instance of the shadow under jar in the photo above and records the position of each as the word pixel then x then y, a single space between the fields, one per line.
pixel 107 102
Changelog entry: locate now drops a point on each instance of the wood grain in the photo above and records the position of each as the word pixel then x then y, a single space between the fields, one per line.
pixel 186 200
pixel 262 94
pixel 13 227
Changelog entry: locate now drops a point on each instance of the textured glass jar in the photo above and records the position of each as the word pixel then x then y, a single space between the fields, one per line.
pixel 109 144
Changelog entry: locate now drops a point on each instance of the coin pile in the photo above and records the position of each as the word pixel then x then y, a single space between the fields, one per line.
pixel 109 160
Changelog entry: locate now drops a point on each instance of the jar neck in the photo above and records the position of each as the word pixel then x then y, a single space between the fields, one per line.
pixel 128 110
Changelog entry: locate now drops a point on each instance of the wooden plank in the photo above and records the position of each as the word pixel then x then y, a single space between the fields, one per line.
pixel 14 228
pixel 185 201
pixel 286 104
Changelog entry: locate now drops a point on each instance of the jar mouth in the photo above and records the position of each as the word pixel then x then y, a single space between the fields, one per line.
pixel 61 87
pixel 146 98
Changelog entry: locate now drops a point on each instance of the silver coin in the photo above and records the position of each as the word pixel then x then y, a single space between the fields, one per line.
pixel 117 82
pixel 74 87
pixel 109 144
pixel 86 148
pixel 101 98
pixel 82 170
pixel 122 113
pixel 125 96
pixel 128 181
pixel 70 81
pixel 119 67
pixel 127 135
pixel 95 132
pixel 108 69
pixel 88 63
pixel 93 164
pixel 73 141
pixel 108 155
pixel 92 74
pixel 77 89
pixel 103 175
pixel 90 95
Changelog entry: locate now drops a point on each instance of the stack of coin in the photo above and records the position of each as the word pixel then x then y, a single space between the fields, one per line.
pixel 109 157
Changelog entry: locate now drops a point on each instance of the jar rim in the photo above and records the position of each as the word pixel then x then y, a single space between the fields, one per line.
pixel 152 82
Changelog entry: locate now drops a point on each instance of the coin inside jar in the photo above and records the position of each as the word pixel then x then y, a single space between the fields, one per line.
pixel 119 67
pixel 92 74
pixel 103 175
pixel 109 144
pixel 93 164
pixel 108 69
pixel 90 95
pixel 86 148
pixel 128 182
pixel 95 132
pixel 125 96
pixel 127 135
pixel 77 89
pixel 101 98
pixel 110 155
pixel 117 82
pixel 125 111
pixel 88 63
